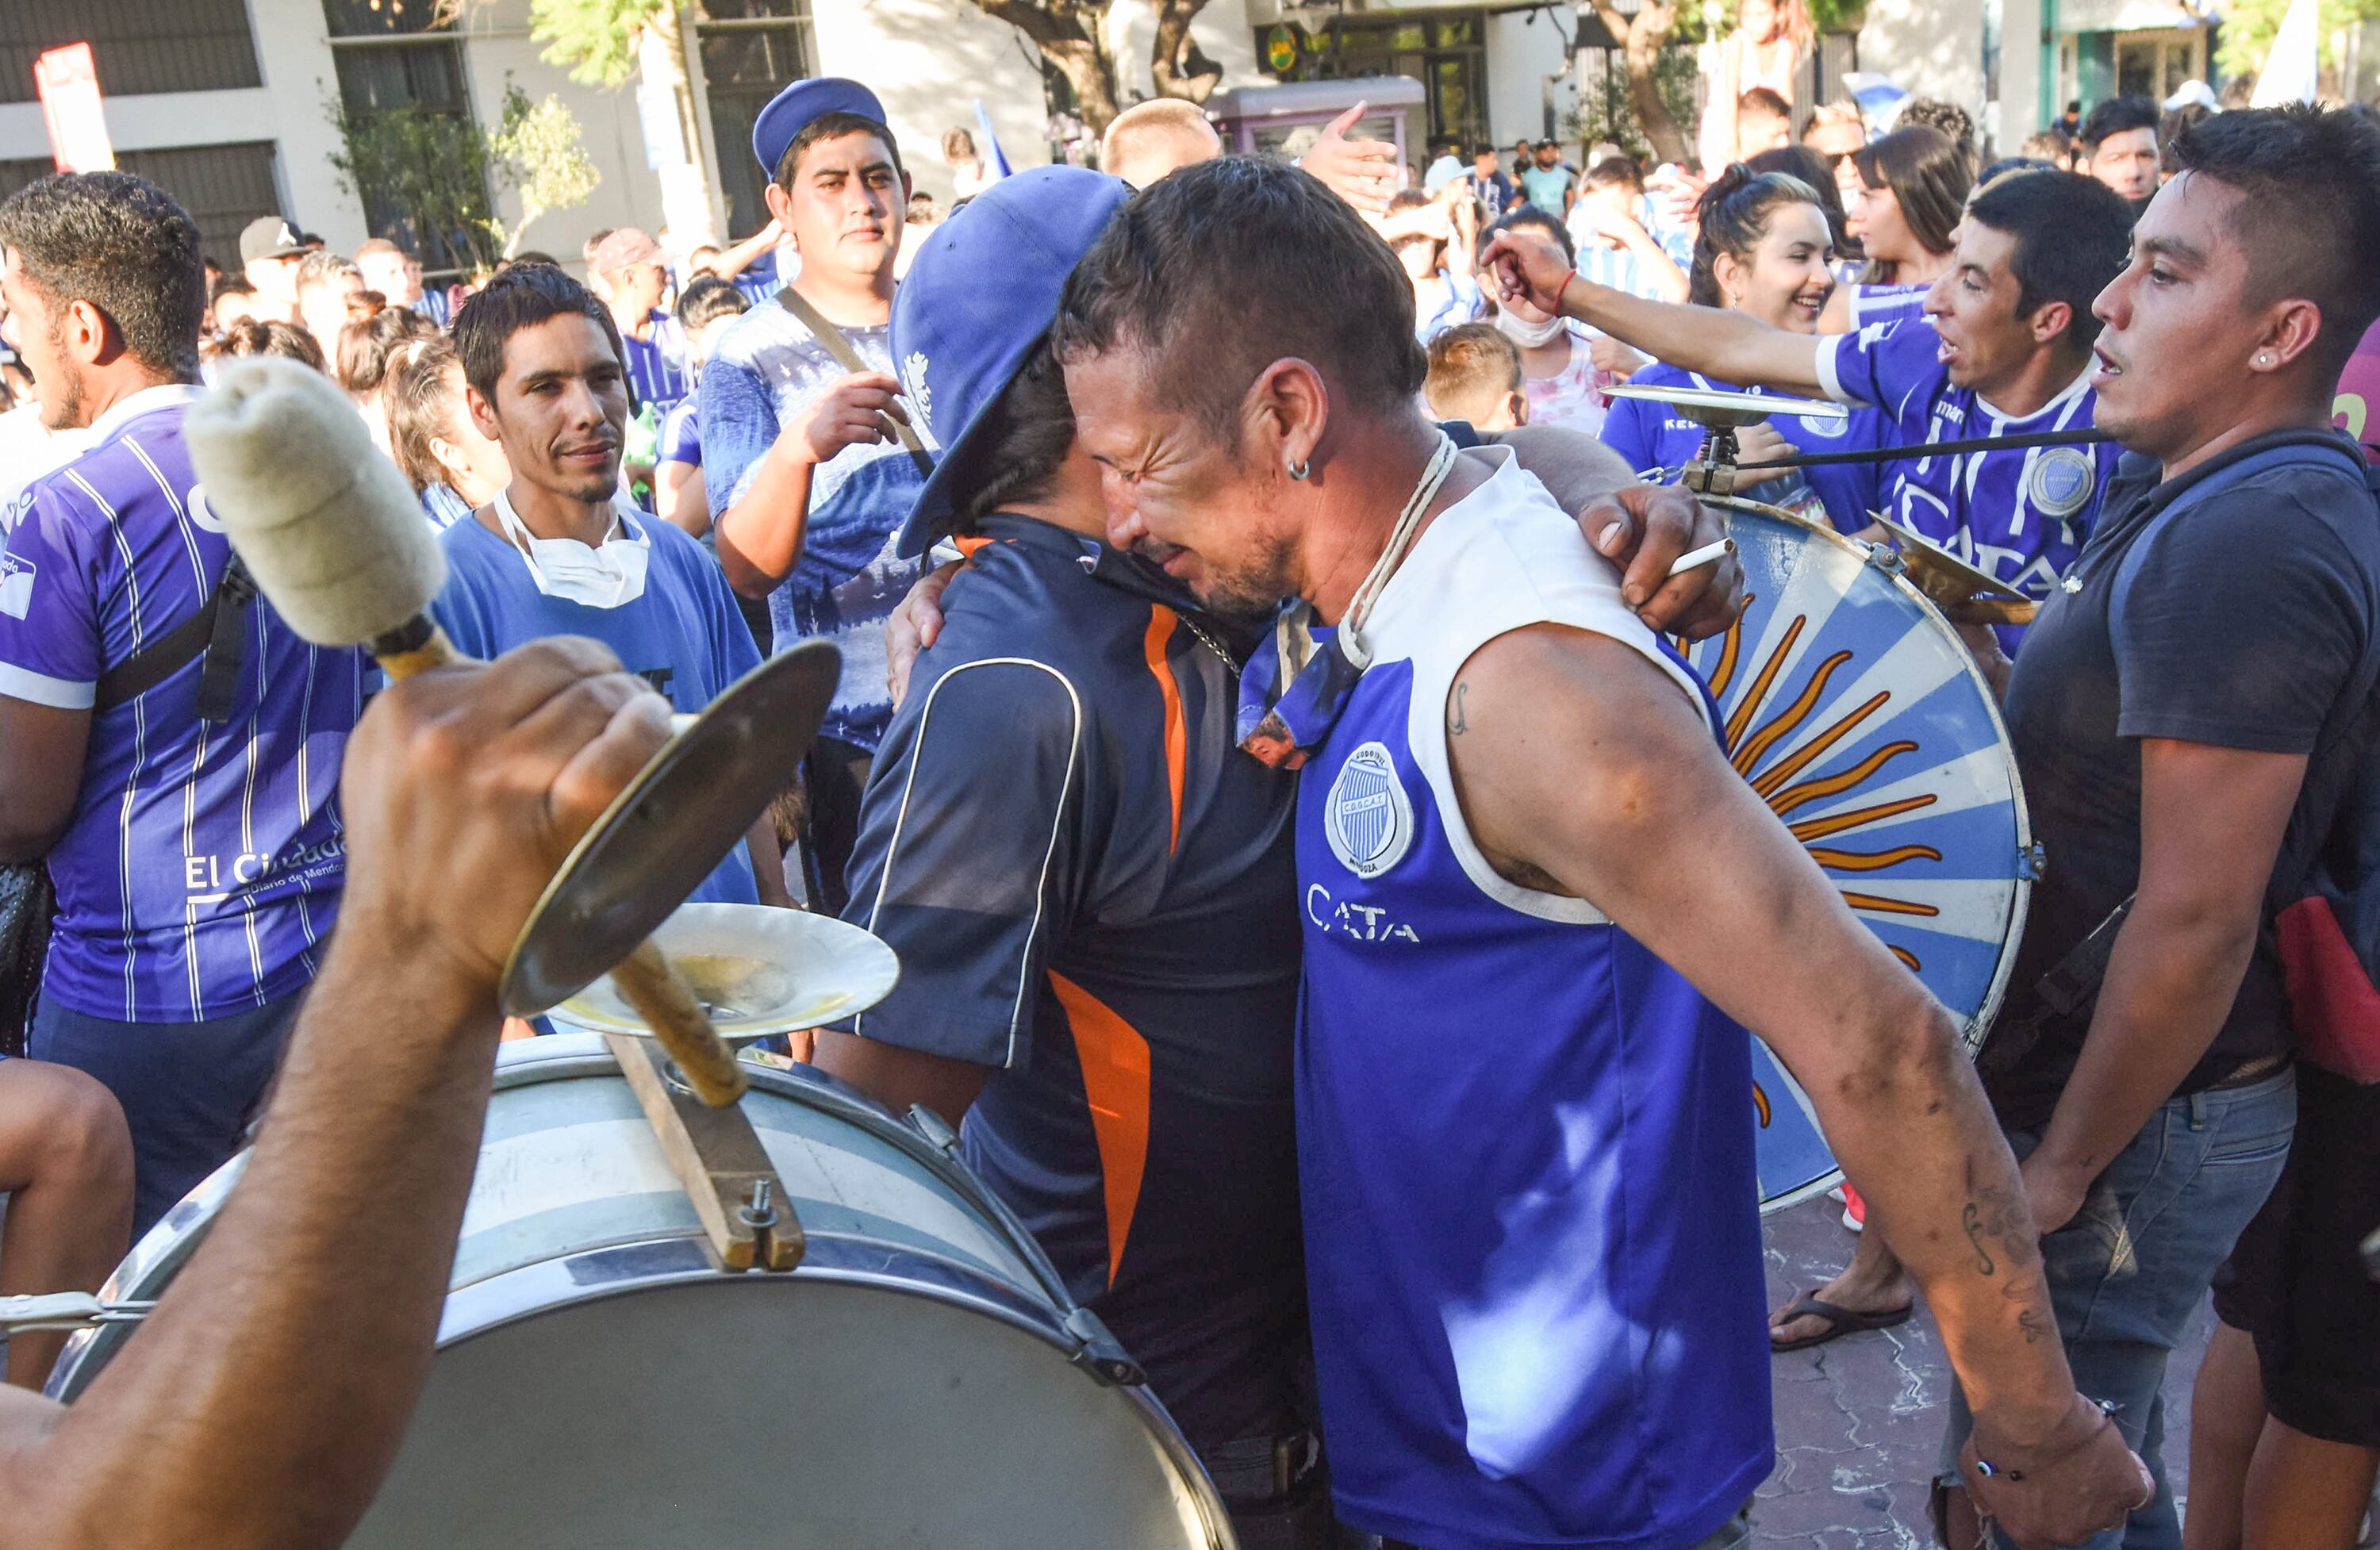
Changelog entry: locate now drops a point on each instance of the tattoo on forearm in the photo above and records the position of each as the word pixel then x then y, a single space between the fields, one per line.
pixel 2028 1323
pixel 1458 726
pixel 1971 1218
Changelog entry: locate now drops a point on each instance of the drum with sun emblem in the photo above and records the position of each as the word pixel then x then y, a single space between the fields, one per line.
pixel 1852 707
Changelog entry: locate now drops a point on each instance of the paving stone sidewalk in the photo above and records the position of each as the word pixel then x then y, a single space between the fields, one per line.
pixel 1859 1421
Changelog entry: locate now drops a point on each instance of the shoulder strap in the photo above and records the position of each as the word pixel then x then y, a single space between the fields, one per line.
pixel 217 633
pixel 837 346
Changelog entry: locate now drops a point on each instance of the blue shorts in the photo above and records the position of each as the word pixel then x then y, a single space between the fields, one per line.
pixel 189 1089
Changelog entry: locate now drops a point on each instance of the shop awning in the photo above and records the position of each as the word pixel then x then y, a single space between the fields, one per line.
pixel 2129 16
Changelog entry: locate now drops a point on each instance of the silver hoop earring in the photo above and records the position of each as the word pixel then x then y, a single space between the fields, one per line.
pixel 1299 468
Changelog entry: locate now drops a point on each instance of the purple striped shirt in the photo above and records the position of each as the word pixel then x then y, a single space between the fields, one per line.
pixel 202 864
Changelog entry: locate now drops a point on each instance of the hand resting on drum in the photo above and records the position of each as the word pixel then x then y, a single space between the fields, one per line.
pixel 262 1403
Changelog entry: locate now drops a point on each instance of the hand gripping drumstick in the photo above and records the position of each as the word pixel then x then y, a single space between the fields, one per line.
pixel 337 543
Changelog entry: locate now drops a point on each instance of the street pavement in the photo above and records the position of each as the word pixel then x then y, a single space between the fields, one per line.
pixel 1859 1419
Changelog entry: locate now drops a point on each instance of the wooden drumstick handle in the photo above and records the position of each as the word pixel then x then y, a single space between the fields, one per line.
pixel 662 997
pixel 647 977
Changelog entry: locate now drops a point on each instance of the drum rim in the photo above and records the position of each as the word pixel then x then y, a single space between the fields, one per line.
pixel 1976 1027
pixel 596 1275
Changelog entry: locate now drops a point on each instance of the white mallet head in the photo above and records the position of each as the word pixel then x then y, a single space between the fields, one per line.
pixel 333 534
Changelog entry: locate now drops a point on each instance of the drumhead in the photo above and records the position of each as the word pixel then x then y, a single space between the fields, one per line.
pixel 1854 710
pixel 921 1379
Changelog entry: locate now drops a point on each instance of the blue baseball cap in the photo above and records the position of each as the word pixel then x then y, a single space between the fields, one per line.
pixel 979 299
pixel 802 104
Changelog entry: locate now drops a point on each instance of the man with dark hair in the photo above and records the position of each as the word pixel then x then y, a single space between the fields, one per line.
pixel 1111 998
pixel 561 549
pixel 806 480
pixel 1546 183
pixel 2008 352
pixel 1491 191
pixel 268 255
pixel 2119 147
pixel 1525 1141
pixel 176 777
pixel 1614 246
pixel 1764 121
pixel 2188 759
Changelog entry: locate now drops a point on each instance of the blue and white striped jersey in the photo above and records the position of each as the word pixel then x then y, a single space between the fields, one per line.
pixel 204 862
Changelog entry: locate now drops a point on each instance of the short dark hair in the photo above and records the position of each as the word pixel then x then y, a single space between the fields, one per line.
pixel 1530 215
pixel 1613 172
pixel 1733 216
pixel 834 126
pixel 1932 112
pixel 707 300
pixel 121 244
pixel 1262 261
pixel 1026 433
pixel 522 296
pixel 1760 99
pixel 1995 171
pixel 2309 213
pixel 2116 116
pixel 271 336
pixel 1484 148
pixel 230 284
pixel 2073 235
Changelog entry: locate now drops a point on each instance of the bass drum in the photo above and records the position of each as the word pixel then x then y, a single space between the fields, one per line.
pixel 921 1380
pixel 1857 714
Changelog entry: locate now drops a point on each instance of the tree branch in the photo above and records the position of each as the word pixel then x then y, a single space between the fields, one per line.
pixel 1176 63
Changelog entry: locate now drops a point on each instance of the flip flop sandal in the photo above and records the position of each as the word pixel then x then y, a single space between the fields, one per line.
pixel 1839 1321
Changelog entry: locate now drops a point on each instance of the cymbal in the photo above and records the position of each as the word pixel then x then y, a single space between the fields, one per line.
pixel 756 971
pixel 680 817
pixel 1713 410
pixel 1965 595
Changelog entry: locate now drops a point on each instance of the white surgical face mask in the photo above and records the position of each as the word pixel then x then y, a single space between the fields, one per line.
pixel 609 575
pixel 1526 334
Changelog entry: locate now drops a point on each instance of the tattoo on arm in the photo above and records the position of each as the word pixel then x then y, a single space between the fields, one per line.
pixel 1458 726
pixel 1972 1219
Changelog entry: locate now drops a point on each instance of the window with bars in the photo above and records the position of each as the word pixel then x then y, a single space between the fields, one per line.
pixel 399 62
pixel 750 50
pixel 223 187
pixel 141 47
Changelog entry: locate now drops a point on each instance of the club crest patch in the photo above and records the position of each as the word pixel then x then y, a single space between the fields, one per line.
pixel 1366 817
pixel 2061 482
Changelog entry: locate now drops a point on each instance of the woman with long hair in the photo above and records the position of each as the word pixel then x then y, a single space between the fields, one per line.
pixel 1914 185
pixel 1771 39
pixel 1763 250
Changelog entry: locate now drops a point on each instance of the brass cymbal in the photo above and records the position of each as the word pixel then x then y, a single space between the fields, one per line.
pixel 1965 595
pixel 1717 410
pixel 756 971
pixel 661 836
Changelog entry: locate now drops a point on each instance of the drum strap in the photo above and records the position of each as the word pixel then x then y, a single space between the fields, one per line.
pixel 2066 991
pixel 835 343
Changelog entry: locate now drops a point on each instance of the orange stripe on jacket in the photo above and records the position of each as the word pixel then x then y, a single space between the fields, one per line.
pixel 1114 1058
pixel 1177 729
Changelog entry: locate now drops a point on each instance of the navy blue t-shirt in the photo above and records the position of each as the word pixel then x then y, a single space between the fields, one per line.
pixel 1092 889
pixel 2244 618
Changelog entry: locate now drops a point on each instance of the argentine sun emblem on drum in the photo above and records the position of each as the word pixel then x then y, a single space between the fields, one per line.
pixel 1854 709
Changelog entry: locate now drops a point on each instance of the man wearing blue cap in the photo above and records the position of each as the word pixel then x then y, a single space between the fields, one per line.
pixel 1089 885
pixel 798 453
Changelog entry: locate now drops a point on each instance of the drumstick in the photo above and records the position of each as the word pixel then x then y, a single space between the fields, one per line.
pixel 1695 558
pixel 337 542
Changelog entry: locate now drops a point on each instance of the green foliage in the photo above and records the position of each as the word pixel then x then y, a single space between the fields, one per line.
pixel 535 152
pixel 415 167
pixel 595 39
pixel 2248 26
pixel 1606 113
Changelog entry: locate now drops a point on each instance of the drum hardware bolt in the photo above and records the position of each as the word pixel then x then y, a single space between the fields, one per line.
pixel 757 1213
pixel 1886 558
pixel 2035 860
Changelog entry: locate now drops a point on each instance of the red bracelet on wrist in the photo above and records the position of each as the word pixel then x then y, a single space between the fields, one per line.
pixel 1563 289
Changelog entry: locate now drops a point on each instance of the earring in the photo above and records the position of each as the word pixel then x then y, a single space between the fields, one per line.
pixel 1299 468
pixel 2264 358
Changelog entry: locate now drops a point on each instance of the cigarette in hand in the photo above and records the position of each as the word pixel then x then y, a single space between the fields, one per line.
pixel 1695 559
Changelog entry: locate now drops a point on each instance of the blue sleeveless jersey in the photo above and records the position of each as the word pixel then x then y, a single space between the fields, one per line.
pixel 1524 1144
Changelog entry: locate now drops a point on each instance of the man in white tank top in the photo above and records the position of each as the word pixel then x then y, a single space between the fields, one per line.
pixel 1506 1051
